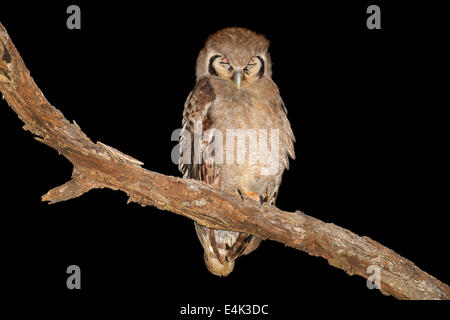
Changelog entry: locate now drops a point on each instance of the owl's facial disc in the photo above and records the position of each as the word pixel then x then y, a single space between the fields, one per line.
pixel 242 76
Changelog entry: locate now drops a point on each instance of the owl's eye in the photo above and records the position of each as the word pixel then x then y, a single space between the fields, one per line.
pixel 225 63
pixel 250 64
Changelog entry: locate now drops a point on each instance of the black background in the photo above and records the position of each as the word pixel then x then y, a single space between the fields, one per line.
pixel 365 106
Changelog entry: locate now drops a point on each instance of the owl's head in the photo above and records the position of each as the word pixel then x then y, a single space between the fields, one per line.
pixel 235 54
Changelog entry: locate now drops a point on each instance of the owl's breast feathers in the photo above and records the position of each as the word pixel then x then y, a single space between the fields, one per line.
pixel 217 104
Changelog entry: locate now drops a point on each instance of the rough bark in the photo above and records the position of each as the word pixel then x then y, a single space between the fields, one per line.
pixel 97 165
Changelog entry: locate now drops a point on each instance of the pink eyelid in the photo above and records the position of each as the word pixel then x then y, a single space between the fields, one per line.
pixel 224 60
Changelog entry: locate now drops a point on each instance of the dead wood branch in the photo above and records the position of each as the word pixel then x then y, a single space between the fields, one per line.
pixel 97 165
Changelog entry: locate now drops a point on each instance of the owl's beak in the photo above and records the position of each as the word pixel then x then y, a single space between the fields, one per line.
pixel 237 78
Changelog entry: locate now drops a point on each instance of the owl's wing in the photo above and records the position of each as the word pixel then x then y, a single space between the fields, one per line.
pixel 288 139
pixel 196 161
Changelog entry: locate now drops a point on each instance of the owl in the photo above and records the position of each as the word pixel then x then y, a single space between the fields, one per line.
pixel 235 98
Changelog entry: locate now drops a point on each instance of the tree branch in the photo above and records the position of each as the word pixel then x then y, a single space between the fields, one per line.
pixel 97 165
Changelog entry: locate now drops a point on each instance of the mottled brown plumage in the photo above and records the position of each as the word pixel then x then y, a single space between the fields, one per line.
pixel 234 90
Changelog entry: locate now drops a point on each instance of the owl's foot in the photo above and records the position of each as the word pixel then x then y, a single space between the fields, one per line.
pixel 261 201
pixel 252 195
pixel 240 194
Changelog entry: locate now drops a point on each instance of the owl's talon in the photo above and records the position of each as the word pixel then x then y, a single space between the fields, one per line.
pixel 240 194
pixel 261 201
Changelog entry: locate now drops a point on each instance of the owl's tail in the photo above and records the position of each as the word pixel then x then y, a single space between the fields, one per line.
pixel 214 252
pixel 223 247
pixel 215 266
